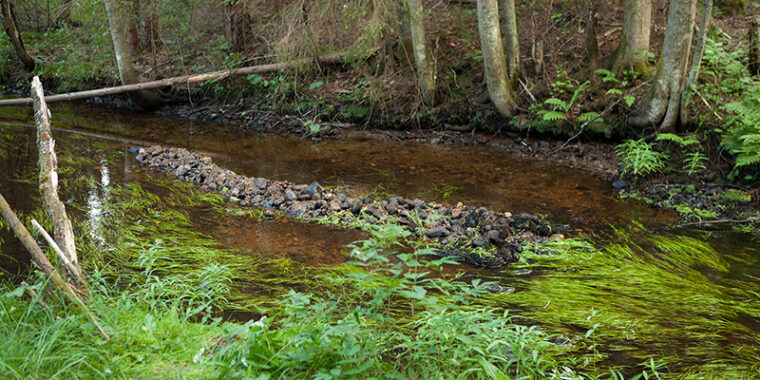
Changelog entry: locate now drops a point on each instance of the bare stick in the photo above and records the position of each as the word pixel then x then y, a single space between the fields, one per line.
pixel 176 81
pixel 48 162
pixel 718 221
pixel 30 244
pixel 597 117
pixel 61 255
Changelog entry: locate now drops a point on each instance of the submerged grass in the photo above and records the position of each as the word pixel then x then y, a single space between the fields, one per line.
pixel 645 296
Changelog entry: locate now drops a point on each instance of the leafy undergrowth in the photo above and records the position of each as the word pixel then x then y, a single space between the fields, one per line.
pixel 160 289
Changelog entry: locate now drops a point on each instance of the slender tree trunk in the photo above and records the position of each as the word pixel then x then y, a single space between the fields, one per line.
pixel 592 42
pixel 240 25
pixel 118 25
pixel 511 40
pixel 662 107
pixel 151 38
pixel 632 51
pixel 423 57
pixel 754 47
pixel 497 78
pixel 11 28
pixel 405 51
pixel 133 28
pixel 696 59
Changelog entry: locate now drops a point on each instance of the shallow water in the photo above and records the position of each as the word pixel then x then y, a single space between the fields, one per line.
pixel 93 142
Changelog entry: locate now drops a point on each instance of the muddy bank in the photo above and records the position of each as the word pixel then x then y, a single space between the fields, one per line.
pixel 476 235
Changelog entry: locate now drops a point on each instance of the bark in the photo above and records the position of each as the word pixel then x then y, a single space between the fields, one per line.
pixel 423 57
pixel 118 26
pixel 696 59
pixel 405 51
pixel 133 29
pixel 592 42
pixel 511 40
pixel 497 79
pixel 31 245
pixel 151 38
pixel 14 35
pixel 662 107
pixel 754 47
pixel 239 20
pixel 632 51
pixel 48 163
pixel 178 81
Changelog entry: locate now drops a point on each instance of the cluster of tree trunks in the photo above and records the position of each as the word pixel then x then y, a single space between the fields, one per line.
pixel 663 109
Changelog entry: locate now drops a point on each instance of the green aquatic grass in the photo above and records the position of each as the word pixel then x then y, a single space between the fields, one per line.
pixel 645 296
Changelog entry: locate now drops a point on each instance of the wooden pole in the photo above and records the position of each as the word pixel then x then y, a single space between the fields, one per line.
pixel 31 245
pixel 48 162
pixel 61 255
pixel 176 81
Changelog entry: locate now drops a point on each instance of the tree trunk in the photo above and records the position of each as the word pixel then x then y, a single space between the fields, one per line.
pixel 151 39
pixel 497 78
pixel 696 59
pixel 592 42
pixel 14 35
pixel 405 50
pixel 423 57
pixel 118 25
pixel 511 40
pixel 754 47
pixel 240 25
pixel 662 107
pixel 632 51
pixel 133 30
pixel 48 163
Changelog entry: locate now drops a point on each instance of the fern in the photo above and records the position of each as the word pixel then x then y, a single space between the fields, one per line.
pixel 639 157
pixel 554 116
pixel 557 104
pixel 588 116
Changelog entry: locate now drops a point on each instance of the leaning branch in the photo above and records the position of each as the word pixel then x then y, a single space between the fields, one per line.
pixel 178 81
pixel 48 163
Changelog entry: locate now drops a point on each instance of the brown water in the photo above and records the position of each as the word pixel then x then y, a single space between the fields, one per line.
pixel 473 175
pixel 481 176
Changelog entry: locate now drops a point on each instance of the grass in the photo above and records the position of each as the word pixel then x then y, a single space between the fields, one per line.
pixel 641 293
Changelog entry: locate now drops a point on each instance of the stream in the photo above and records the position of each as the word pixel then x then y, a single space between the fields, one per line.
pixel 686 296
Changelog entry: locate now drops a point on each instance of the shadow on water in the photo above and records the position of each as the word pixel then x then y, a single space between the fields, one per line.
pixel 658 293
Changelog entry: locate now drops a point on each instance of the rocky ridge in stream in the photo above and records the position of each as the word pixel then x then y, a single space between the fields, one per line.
pixel 476 235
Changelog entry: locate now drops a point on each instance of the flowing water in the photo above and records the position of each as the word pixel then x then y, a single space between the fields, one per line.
pixel 687 296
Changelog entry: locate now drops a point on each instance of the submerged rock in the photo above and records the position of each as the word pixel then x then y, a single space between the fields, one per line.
pixel 498 235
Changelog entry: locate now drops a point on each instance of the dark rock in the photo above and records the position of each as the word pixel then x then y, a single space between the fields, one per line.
pixel 134 149
pixel 619 184
pixel 437 232
pixel 313 189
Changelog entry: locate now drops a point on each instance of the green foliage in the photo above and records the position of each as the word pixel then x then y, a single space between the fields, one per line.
pixel 693 162
pixel 639 157
pixel 393 320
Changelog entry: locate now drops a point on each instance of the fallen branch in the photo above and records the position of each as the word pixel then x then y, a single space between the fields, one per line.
pixel 48 162
pixel 719 221
pixel 606 111
pixel 42 261
pixel 177 81
pixel 61 255
pixel 31 245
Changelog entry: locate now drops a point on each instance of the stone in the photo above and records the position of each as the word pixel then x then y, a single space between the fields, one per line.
pixel 313 189
pixel 437 232
pixel 290 195
pixel 619 184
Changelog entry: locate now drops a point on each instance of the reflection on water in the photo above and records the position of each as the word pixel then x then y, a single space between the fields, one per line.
pixel 481 176
pixel 99 195
pixel 91 164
